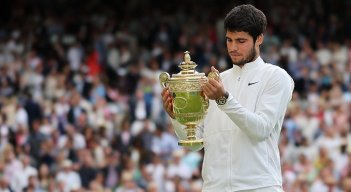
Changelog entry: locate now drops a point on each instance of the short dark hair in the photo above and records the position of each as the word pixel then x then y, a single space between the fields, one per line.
pixel 246 18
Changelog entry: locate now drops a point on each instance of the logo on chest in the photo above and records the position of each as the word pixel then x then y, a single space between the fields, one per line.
pixel 252 83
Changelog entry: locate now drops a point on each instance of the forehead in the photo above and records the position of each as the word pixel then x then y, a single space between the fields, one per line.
pixel 238 34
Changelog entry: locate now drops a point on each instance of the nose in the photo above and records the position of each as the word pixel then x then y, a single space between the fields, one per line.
pixel 232 47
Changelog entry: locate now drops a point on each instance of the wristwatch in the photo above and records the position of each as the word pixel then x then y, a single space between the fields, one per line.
pixel 222 100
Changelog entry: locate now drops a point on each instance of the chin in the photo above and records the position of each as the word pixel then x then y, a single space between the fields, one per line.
pixel 236 60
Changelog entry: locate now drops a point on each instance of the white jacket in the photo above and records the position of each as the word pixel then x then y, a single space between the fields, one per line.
pixel 241 136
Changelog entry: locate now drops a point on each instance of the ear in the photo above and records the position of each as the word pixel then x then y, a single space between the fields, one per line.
pixel 259 39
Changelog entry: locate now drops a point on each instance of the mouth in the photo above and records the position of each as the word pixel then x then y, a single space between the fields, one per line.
pixel 233 54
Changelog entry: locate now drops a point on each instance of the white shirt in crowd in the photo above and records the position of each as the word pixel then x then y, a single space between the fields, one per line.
pixel 20 180
pixel 70 180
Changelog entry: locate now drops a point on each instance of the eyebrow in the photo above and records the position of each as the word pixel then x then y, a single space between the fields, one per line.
pixel 237 39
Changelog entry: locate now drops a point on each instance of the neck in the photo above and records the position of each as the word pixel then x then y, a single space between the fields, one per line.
pixel 253 59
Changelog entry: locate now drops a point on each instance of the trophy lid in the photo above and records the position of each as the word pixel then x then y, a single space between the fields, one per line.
pixel 188 69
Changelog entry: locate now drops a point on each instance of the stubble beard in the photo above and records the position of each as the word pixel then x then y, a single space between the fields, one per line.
pixel 251 57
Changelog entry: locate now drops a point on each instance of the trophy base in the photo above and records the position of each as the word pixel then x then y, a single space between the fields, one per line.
pixel 191 143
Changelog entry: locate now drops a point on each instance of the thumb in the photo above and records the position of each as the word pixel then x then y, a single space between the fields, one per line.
pixel 214 74
pixel 213 69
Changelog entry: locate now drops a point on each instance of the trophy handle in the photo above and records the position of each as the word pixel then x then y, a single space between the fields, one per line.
pixel 214 75
pixel 164 78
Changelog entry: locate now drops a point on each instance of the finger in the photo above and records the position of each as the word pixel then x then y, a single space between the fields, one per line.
pixel 166 95
pixel 214 83
pixel 164 100
pixel 207 91
pixel 165 91
pixel 211 87
pixel 213 69
pixel 168 102
pixel 170 108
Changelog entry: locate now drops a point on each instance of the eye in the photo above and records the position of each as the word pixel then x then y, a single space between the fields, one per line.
pixel 241 40
pixel 229 40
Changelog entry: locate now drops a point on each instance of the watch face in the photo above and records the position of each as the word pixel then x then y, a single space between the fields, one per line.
pixel 221 101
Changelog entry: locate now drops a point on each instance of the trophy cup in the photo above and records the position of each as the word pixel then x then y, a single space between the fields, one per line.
pixel 189 102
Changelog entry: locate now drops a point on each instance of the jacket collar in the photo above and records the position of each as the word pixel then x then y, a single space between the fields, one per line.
pixel 248 66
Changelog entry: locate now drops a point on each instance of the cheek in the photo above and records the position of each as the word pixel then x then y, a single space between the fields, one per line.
pixel 229 45
pixel 247 48
pixel 244 49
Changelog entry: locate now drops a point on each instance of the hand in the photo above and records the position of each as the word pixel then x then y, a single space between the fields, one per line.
pixel 167 102
pixel 213 89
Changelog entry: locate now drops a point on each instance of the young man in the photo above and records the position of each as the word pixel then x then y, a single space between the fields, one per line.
pixel 247 108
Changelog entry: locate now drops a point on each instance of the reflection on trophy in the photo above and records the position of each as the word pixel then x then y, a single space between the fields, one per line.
pixel 189 102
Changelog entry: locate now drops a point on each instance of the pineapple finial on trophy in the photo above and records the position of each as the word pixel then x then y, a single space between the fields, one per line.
pixel 187 57
pixel 187 66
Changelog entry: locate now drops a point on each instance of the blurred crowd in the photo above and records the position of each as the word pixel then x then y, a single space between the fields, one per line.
pixel 80 98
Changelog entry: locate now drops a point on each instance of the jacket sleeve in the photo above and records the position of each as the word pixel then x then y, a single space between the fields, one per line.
pixel 271 106
pixel 181 133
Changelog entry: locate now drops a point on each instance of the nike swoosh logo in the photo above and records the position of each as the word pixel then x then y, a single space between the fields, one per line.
pixel 252 83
